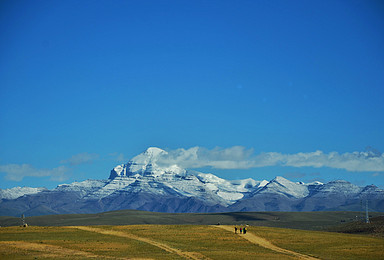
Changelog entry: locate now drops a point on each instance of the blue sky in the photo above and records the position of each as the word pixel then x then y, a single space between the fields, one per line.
pixel 85 85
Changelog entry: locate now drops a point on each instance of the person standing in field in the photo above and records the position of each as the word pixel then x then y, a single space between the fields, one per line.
pixel 241 230
pixel 235 229
pixel 244 230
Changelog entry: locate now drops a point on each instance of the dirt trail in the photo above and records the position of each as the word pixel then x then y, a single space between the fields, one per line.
pixel 52 251
pixel 265 243
pixel 186 255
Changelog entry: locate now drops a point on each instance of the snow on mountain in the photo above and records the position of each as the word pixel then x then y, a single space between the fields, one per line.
pixel 248 183
pixel 339 187
pixel 145 184
pixel 143 170
pixel 17 192
pixel 145 164
pixel 83 188
pixel 371 191
pixel 314 183
pixel 142 174
pixel 229 191
pixel 282 186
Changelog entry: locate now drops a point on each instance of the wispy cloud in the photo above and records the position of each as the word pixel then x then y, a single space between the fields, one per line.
pixel 239 157
pixel 81 158
pixel 17 172
pixel 353 162
pixel 236 157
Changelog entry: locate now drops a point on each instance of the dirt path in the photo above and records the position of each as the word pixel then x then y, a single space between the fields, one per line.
pixel 51 251
pixel 265 243
pixel 186 255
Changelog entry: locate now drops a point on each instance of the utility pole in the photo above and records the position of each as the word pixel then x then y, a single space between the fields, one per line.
pixel 366 212
pixel 361 211
pixel 23 220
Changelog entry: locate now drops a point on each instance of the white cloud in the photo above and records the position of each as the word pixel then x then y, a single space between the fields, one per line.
pixel 239 157
pixel 16 172
pixel 81 158
pixel 353 162
pixel 236 157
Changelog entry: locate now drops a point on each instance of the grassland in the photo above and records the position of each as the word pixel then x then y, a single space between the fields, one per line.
pixel 325 245
pixel 179 242
pixel 297 220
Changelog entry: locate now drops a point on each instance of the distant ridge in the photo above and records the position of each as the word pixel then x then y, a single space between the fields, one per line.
pixel 143 184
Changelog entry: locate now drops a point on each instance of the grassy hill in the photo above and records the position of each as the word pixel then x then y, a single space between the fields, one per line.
pixel 296 220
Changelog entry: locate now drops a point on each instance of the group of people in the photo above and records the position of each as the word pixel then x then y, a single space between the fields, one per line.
pixel 243 230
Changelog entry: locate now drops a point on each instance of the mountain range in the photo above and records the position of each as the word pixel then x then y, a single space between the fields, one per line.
pixel 143 184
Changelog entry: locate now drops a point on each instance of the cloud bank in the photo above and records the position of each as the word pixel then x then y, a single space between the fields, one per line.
pixel 236 157
pixel 17 172
pixel 239 157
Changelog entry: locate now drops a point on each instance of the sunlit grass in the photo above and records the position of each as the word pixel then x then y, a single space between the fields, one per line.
pixel 326 245
pixel 202 241
pixel 75 239
pixel 208 240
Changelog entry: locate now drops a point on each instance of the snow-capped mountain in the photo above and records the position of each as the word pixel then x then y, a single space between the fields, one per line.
pixel 284 187
pixel 143 175
pixel 144 184
pixel 17 192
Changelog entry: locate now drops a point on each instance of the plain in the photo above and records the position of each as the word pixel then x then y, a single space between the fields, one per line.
pixel 180 242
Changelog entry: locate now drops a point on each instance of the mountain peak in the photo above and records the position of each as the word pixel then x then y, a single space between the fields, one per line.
pixel 285 187
pixel 150 156
pixel 145 164
pixel 154 151
pixel 281 180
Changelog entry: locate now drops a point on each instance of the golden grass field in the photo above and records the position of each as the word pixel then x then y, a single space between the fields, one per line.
pixel 182 242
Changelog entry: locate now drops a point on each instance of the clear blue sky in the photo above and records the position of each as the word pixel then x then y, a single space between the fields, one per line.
pixel 85 85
